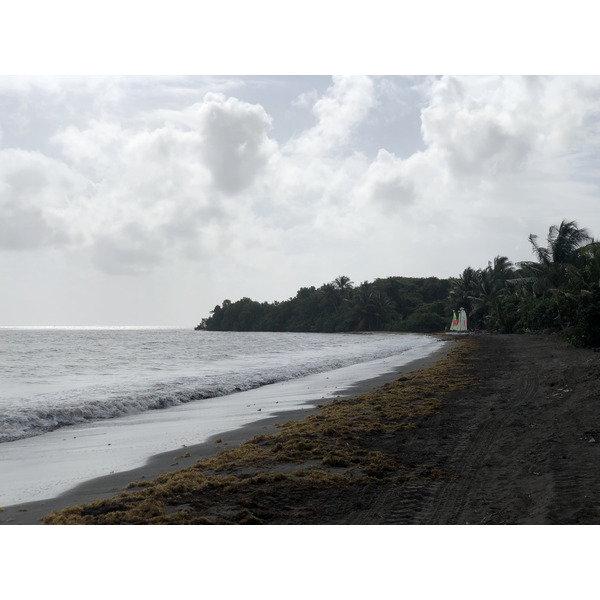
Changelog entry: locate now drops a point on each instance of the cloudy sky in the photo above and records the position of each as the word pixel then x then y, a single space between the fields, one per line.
pixel 148 199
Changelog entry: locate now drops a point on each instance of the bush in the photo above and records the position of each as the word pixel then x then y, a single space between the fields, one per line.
pixel 587 321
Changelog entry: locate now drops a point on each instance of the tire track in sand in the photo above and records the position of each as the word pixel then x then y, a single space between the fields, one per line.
pixel 469 454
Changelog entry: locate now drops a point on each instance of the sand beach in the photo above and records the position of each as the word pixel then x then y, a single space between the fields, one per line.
pixel 58 469
pixel 496 429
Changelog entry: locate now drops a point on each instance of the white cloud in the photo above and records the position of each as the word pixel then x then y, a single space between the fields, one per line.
pixel 166 186
pixel 306 99
pixel 338 112
pixel 128 250
pixel 41 200
pixel 389 183
pixel 235 145
pixel 498 126
pixel 94 150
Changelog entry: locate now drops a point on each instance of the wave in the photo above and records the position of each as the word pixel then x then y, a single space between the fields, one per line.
pixel 17 423
pixel 48 412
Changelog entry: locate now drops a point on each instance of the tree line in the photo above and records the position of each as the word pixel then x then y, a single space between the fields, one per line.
pixel 390 304
pixel 559 291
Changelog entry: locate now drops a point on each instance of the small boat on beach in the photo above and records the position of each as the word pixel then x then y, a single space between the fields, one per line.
pixel 459 325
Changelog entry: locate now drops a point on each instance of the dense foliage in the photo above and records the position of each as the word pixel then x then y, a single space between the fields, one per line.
pixel 559 291
pixel 391 304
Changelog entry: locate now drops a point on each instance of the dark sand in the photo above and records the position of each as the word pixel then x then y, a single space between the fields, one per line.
pixel 108 486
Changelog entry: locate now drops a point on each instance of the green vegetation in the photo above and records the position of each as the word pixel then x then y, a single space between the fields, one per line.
pixel 392 304
pixel 559 291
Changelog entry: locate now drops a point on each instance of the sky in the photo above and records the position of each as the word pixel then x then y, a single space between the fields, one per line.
pixel 147 199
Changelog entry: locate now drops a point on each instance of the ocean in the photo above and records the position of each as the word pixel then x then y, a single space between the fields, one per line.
pixel 67 392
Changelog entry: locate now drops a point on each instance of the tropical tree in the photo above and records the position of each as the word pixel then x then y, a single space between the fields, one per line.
pixel 462 289
pixel 371 307
pixel 556 267
pixel 564 242
pixel 331 295
pixel 343 283
pixel 490 287
pixel 583 289
pixel 584 275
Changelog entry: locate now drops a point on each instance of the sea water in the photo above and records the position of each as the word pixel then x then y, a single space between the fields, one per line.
pixel 52 377
pixel 76 403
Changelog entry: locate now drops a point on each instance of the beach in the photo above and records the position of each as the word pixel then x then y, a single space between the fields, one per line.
pixel 496 429
pixel 57 467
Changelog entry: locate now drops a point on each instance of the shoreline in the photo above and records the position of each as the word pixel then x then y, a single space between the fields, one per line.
pixel 46 466
pixel 107 486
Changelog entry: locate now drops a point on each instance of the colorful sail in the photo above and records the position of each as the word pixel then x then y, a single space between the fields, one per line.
pixel 454 325
pixel 460 323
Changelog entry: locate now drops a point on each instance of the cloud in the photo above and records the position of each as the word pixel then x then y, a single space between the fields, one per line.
pixel 225 137
pixel 306 99
pixel 174 183
pixel 130 249
pixel 94 150
pixel 389 182
pixel 40 201
pixel 235 145
pixel 206 181
pixel 343 107
pixel 480 128
pixel 495 126
pixel 150 191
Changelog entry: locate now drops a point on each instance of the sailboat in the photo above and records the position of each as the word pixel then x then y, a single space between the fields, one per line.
pixel 459 325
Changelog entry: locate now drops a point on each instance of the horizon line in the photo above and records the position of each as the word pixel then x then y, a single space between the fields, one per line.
pixel 94 326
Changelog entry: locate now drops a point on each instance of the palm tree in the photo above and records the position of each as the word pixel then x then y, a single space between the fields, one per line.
pixel 343 283
pixel 589 267
pixel 502 269
pixel 371 306
pixel 331 295
pixel 584 291
pixel 564 242
pixel 462 289
pixel 556 267
pixel 491 286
